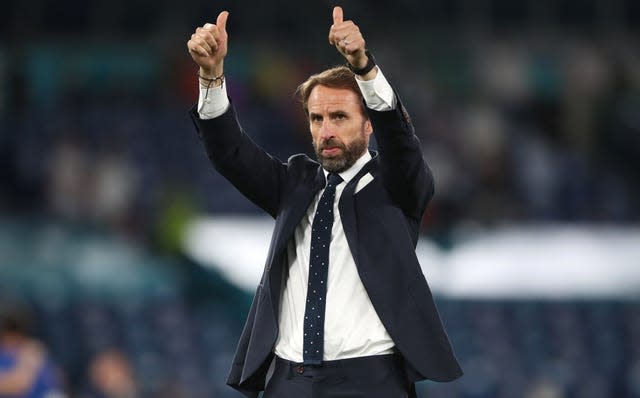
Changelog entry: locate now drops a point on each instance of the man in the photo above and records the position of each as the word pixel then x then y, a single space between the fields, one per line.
pixel 342 306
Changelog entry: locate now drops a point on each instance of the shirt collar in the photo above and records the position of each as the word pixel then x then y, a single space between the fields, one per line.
pixel 351 172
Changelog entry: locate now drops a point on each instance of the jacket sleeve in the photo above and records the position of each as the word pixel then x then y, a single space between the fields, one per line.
pixel 406 175
pixel 256 174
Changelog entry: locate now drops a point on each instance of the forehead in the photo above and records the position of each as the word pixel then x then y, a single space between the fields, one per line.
pixel 323 97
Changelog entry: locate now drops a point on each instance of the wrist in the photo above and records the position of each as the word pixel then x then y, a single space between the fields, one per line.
pixel 208 83
pixel 213 72
pixel 209 78
pixel 363 65
pixel 361 62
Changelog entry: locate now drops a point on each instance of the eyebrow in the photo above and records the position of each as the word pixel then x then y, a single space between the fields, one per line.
pixel 331 114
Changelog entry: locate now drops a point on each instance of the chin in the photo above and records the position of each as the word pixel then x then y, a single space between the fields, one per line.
pixel 334 165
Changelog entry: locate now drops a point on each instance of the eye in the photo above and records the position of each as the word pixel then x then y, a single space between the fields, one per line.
pixel 315 118
pixel 339 116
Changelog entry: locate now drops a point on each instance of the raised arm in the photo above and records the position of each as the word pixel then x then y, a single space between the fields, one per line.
pixel 405 173
pixel 248 167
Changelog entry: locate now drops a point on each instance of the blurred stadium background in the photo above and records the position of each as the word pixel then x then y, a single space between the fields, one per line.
pixel 135 262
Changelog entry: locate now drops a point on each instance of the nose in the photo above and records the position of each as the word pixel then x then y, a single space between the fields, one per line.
pixel 326 130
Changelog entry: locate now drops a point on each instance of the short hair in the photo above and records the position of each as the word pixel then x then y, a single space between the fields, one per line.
pixel 336 77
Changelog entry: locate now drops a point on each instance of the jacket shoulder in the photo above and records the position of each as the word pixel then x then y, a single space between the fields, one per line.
pixel 300 166
pixel 300 159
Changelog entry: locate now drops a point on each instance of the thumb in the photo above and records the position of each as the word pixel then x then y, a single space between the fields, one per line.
pixel 221 22
pixel 337 15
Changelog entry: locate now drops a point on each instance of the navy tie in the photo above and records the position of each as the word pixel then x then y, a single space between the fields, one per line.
pixel 313 346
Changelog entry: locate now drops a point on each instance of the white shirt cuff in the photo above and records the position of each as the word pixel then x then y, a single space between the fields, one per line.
pixel 377 93
pixel 212 102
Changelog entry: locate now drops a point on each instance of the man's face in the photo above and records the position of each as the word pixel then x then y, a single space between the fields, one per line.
pixel 339 130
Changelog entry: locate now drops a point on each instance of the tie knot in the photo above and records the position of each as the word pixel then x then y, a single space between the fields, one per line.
pixel 334 179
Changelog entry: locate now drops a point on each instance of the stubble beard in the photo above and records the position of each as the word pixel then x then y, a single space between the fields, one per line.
pixel 349 154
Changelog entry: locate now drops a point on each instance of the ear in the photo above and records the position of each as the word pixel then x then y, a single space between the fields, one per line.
pixel 368 128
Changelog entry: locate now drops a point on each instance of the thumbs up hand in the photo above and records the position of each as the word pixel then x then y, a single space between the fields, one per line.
pixel 346 36
pixel 208 46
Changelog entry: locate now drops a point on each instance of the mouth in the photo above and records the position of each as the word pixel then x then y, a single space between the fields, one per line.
pixel 331 150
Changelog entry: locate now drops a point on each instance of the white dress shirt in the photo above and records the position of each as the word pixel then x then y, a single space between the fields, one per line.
pixel 352 327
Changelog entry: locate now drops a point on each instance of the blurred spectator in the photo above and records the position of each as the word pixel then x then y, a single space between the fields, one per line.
pixel 111 376
pixel 114 185
pixel 69 179
pixel 25 370
pixel 544 389
pixel 94 186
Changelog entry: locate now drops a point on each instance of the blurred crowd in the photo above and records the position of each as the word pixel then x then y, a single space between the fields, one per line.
pixel 167 348
pixel 26 369
pixel 522 119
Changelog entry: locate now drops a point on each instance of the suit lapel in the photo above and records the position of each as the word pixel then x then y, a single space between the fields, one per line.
pixel 298 203
pixel 348 210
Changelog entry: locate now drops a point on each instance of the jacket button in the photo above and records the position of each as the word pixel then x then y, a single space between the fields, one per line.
pixel 299 369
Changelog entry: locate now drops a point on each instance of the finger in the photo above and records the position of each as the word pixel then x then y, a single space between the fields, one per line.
pixel 211 28
pixel 342 47
pixel 197 49
pixel 355 39
pixel 209 36
pixel 331 36
pixel 333 39
pixel 201 40
pixel 349 48
pixel 339 32
pixel 221 21
pixel 352 48
pixel 204 45
pixel 344 28
pixel 344 24
pixel 337 15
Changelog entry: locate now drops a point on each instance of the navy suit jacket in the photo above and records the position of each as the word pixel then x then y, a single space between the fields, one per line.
pixel 381 220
